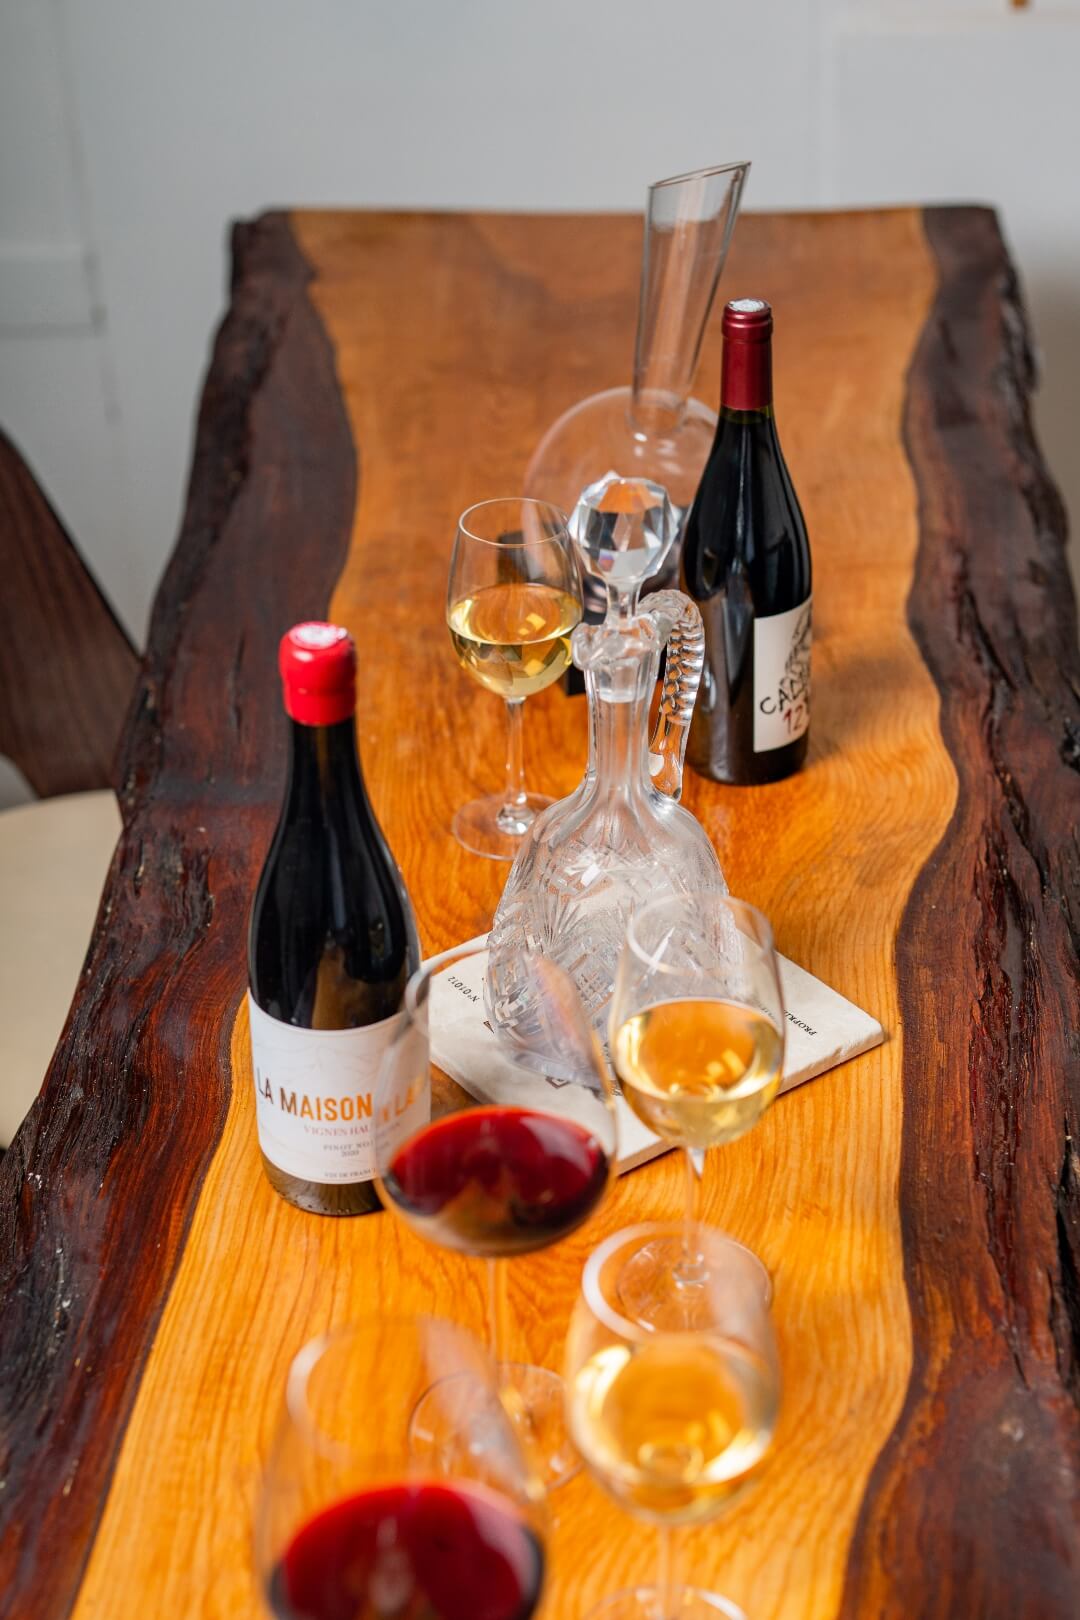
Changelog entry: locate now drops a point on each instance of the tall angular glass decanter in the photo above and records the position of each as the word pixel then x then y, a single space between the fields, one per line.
pixel 621 837
pixel 654 429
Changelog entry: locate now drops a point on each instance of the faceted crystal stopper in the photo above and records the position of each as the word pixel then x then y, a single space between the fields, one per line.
pixel 623 529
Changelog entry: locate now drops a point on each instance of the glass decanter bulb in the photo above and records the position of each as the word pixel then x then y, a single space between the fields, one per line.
pixel 621 837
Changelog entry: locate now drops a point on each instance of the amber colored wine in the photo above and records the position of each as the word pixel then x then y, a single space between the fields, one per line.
pixel 416 1551
pixel 699 1072
pixel 514 638
pixel 498 1181
pixel 673 1426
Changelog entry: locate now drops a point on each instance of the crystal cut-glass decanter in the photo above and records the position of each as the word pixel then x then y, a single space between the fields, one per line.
pixel 654 429
pixel 621 837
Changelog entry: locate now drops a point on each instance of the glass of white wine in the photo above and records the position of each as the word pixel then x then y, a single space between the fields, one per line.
pixel 671 1423
pixel 697 1040
pixel 512 603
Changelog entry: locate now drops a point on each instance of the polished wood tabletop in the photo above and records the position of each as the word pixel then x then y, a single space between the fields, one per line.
pixel 919 1206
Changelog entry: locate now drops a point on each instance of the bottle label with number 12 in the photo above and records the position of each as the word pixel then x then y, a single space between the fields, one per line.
pixel 782 677
pixel 315 1102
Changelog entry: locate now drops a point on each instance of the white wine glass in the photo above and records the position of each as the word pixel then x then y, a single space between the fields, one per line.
pixel 671 1423
pixel 355 1518
pixel 697 1040
pixel 513 600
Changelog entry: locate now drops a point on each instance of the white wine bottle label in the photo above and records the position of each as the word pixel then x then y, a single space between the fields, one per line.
pixel 782 677
pixel 315 1097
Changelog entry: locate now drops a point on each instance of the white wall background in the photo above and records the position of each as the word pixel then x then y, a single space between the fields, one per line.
pixel 132 131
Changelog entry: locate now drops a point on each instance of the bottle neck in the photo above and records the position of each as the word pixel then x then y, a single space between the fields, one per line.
pixel 746 379
pixel 324 768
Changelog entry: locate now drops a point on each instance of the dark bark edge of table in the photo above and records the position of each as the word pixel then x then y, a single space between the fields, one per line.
pixel 138 1088
pixel 973 1508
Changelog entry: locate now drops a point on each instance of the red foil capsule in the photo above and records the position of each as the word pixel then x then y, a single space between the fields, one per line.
pixel 746 375
pixel 318 673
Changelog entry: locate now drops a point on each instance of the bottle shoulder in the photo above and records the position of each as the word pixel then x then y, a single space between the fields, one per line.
pixel 746 529
pixel 331 937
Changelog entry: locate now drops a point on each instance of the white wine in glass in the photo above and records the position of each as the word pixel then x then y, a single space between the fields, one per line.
pixel 699 1072
pixel 514 638
pixel 513 600
pixel 675 1424
pixel 697 1040
pixel 671 1423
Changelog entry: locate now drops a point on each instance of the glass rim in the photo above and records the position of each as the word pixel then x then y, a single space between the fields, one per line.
pixel 742 165
pixel 414 1012
pixel 605 1312
pixel 763 947
pixel 297 1379
pixel 517 500
pixel 307 1358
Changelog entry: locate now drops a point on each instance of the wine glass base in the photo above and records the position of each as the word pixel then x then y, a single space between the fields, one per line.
pixel 645 1603
pixel 534 1399
pixel 656 1290
pixel 494 829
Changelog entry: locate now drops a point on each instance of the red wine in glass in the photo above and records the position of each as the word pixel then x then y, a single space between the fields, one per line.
pixel 498 1177
pixel 498 1180
pixel 411 1551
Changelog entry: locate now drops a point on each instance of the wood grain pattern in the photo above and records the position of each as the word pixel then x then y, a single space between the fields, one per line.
pixel 67 668
pixel 457 340
pixel 97 1190
pixel 974 1507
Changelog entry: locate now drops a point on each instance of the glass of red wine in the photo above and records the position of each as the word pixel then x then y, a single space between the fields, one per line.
pixel 357 1518
pixel 492 1159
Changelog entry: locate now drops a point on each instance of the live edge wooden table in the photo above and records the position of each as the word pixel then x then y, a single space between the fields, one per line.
pixel 920 1207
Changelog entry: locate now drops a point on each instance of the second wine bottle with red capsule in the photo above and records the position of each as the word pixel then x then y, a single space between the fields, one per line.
pixel 331 946
pixel 746 563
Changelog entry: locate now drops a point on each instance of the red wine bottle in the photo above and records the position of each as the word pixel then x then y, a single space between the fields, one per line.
pixel 746 563
pixel 331 945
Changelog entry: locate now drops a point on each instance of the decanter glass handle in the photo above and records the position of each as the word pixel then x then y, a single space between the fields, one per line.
pixel 679 624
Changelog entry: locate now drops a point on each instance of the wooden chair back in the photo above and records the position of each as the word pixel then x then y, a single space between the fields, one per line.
pixel 67 667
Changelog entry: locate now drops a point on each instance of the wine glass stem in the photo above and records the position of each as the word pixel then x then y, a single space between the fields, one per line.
pixel 496 1280
pixel 515 757
pixel 665 1574
pixel 691 1262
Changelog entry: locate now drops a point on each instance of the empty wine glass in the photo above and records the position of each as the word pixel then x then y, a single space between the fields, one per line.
pixel 355 1518
pixel 697 1039
pixel 513 599
pixel 673 1422
pixel 509 1165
